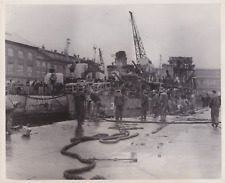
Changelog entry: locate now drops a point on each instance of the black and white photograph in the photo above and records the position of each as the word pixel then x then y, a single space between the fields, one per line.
pixel 112 91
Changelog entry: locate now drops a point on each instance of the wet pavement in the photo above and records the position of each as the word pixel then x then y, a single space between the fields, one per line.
pixel 163 151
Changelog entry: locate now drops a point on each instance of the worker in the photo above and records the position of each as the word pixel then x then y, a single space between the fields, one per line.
pixel 219 96
pixel 168 76
pixel 79 131
pixel 155 104
pixel 79 100
pixel 35 84
pixel 214 104
pixel 183 107
pixel 207 100
pixel 204 99
pixel 53 80
pixel 163 105
pixel 9 121
pixel 144 105
pixel 97 103
pixel 119 102
pixel 10 112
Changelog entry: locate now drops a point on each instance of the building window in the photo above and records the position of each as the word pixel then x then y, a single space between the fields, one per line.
pixel 20 54
pixel 38 63
pixel 44 64
pixel 38 73
pixel 29 71
pixel 10 68
pixel 30 56
pixel 20 69
pixel 10 52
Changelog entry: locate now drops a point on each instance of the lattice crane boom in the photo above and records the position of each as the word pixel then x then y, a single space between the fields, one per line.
pixel 139 48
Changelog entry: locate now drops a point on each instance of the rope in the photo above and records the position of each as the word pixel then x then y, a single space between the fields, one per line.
pixel 112 141
pixel 91 163
pixel 59 102
pixel 52 97
pixel 126 128
pixel 171 122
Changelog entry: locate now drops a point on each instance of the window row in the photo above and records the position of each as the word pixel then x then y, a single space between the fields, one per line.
pixel 49 66
pixel 20 54
pixel 20 69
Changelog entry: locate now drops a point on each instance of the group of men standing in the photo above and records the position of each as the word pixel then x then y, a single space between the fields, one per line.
pixel 159 101
pixel 80 98
pixel 159 104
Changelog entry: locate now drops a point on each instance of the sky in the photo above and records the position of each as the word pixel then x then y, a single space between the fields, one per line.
pixel 189 30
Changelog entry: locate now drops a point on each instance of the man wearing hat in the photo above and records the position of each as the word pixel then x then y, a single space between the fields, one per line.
pixel 155 104
pixel 79 100
pixel 119 102
pixel 214 104
pixel 97 103
pixel 144 105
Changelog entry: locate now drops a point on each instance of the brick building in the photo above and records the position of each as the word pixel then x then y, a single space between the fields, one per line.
pixel 20 57
pixel 26 61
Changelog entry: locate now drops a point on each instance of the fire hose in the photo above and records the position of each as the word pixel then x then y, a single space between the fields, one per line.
pixel 166 122
pixel 91 162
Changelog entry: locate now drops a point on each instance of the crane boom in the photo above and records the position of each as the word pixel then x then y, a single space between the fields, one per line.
pixel 139 48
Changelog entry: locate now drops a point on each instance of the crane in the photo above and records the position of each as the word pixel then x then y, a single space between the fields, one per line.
pixel 139 48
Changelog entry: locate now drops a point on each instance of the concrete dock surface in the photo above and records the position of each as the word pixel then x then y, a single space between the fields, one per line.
pixel 163 151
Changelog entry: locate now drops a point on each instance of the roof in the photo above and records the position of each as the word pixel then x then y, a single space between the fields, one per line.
pixel 57 56
pixel 18 39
